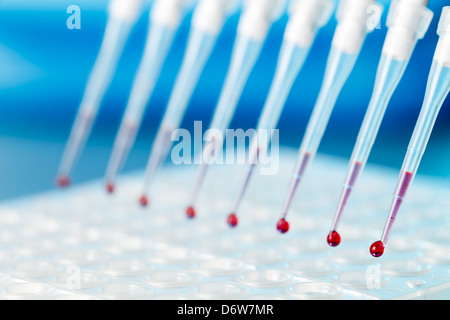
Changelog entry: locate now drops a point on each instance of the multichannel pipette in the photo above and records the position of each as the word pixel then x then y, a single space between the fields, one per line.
pixel 353 26
pixel 165 19
pixel 438 88
pixel 306 18
pixel 408 21
pixel 208 20
pixel 253 28
pixel 122 17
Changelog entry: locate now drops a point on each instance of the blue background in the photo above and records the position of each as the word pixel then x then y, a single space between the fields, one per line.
pixel 44 67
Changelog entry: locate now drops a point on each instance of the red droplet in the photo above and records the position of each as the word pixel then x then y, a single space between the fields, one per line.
pixel 334 239
pixel 110 187
pixel 190 212
pixel 283 226
pixel 143 201
pixel 377 249
pixel 63 181
pixel 232 220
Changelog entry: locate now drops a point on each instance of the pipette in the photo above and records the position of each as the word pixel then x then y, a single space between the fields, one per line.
pixel 253 28
pixel 122 17
pixel 165 19
pixel 208 20
pixel 438 88
pixel 306 18
pixel 354 24
pixel 408 21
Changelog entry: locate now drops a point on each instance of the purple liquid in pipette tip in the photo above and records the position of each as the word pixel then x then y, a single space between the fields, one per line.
pixel 333 237
pixel 357 166
pixel 298 175
pixel 400 196
pixel 377 248
pixel 398 200
pixel 305 162
pixel 356 169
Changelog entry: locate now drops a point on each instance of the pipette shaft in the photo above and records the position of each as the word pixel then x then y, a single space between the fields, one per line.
pixel 116 34
pixel 199 49
pixel 158 44
pixel 338 69
pixel 437 90
pixel 291 61
pixel 244 57
pixel 389 73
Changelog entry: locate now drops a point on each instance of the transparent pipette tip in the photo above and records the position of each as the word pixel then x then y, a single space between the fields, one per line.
pixel 122 146
pixel 210 147
pixel 232 218
pixel 334 238
pixel 72 152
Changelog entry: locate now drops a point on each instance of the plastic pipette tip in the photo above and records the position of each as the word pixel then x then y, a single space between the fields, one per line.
pixel 333 239
pixel 190 212
pixel 282 226
pixel 110 187
pixel 377 249
pixel 143 201
pixel 63 181
pixel 232 220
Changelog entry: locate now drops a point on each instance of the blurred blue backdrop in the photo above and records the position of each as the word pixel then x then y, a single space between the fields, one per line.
pixel 44 68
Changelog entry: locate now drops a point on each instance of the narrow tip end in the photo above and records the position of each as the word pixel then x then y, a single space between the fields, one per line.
pixel 232 220
pixel 377 249
pixel 63 181
pixel 333 239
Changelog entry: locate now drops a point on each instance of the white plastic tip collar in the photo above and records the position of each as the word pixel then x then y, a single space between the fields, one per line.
pixel 356 18
pixel 408 21
pixel 257 17
pixel 306 17
pixel 444 22
pixel 442 54
pixel 125 10
pixel 169 13
pixel 209 16
pixel 411 14
pixel 362 12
